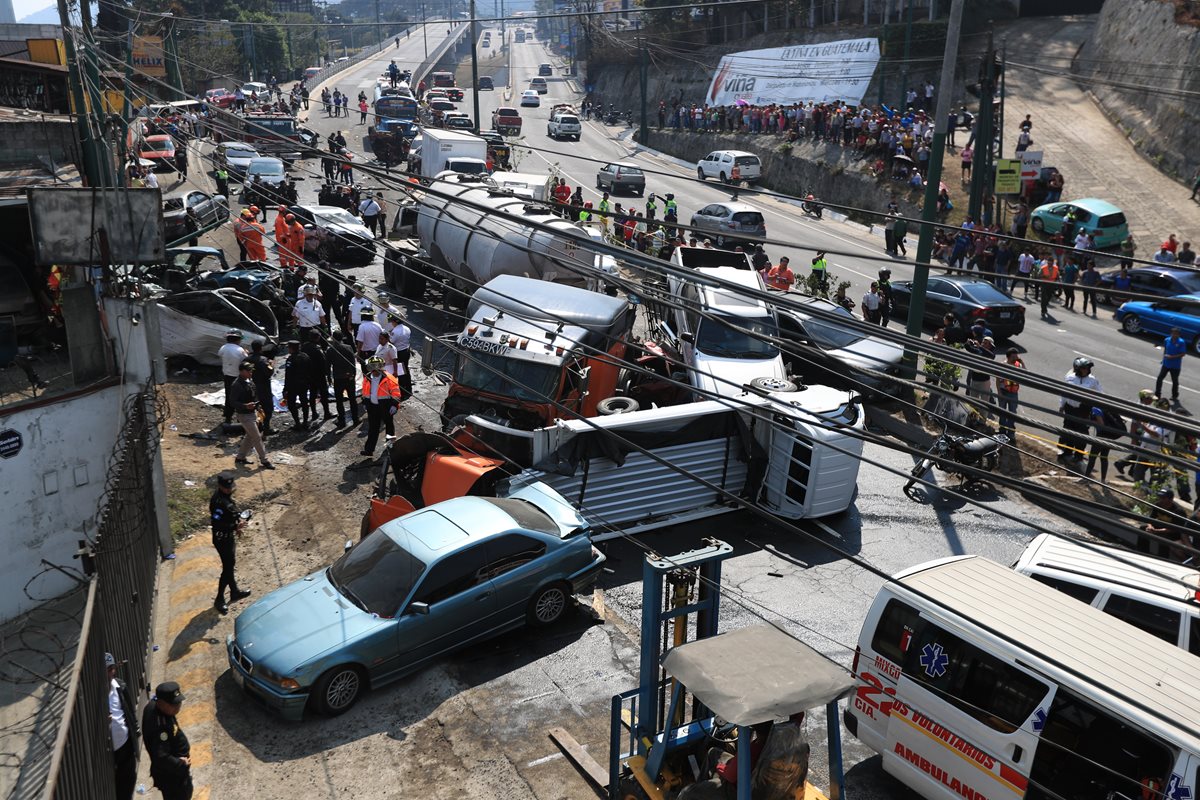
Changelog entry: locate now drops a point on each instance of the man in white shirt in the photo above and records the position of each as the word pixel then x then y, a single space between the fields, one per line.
pixel 151 179
pixel 122 729
pixel 308 313
pixel 310 282
pixel 358 304
pixel 870 304
pixel 1076 413
pixel 369 210
pixel 387 351
pixel 368 335
pixel 232 354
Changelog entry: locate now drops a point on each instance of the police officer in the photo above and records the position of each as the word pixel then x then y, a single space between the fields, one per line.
pixel 264 368
pixel 671 206
pixel 886 299
pixel 226 525
pixel 820 271
pixel 245 404
pixel 297 378
pixel 342 364
pixel 319 373
pixel 222 176
pixel 167 744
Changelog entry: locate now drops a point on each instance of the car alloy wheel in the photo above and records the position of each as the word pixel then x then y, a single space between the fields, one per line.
pixel 548 605
pixel 700 173
pixel 1131 323
pixel 1038 225
pixel 338 690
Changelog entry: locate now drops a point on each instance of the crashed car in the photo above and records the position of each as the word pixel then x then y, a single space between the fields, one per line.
pixel 194 324
pixel 334 234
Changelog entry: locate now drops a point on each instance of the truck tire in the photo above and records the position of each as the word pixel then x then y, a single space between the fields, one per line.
pixel 773 385
pixel 617 405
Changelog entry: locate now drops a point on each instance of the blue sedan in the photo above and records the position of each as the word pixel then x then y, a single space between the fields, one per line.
pixel 416 589
pixel 1158 317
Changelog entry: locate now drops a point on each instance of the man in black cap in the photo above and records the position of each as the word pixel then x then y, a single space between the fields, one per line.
pixel 342 367
pixel 123 730
pixel 296 379
pixel 245 404
pixel 166 743
pixel 318 386
pixel 227 523
pixel 264 368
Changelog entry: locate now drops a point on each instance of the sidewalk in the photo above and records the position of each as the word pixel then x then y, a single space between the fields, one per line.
pixel 1077 137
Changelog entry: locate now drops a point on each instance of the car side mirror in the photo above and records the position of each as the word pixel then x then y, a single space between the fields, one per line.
pixel 349 544
pixel 417 607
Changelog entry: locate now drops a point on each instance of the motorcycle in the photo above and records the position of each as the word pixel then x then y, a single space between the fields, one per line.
pixel 809 205
pixel 612 118
pixel 950 452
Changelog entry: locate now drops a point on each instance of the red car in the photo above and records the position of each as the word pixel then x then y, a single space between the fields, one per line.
pixel 160 149
pixel 507 121
pixel 221 98
pixel 454 94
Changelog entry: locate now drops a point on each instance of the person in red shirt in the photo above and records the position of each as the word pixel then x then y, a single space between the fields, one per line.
pixel 1171 244
pixel 780 276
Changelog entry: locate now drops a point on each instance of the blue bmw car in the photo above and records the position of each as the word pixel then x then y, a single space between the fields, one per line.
pixel 414 590
pixel 1159 316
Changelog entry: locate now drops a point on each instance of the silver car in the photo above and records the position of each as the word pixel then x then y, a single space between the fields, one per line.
pixel 235 156
pixel 621 177
pixel 731 222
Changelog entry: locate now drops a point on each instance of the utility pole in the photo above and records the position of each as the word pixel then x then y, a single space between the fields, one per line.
pixel 644 133
pixel 424 33
pixel 473 33
pixel 89 144
pixel 916 306
pixel 174 76
pixel 904 68
pixel 981 169
pixel 378 26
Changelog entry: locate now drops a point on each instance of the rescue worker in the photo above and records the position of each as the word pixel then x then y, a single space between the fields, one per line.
pixel 166 743
pixel 256 248
pixel 226 520
pixel 342 366
pixel 381 396
pixel 245 403
pixel 308 312
pixel 820 271
pixel 241 226
pixel 281 236
pixel 296 374
pixel 295 243
pixel 780 276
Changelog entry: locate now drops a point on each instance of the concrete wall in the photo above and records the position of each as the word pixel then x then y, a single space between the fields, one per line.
pixel 1139 42
pixel 52 490
pixel 26 139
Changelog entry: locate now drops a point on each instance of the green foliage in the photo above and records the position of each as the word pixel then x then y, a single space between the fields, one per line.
pixel 928 38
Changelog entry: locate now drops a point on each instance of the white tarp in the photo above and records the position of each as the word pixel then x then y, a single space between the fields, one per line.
pixel 817 72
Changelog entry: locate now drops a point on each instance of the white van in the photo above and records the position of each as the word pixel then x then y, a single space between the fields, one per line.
pixel 719 164
pixel 975 681
pixel 1160 597
pixel 721 346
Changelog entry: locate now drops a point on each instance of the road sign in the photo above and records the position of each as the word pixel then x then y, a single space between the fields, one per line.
pixel 1008 176
pixel 1031 165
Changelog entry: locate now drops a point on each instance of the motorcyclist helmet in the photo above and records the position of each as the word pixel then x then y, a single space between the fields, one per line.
pixel 885 274
pixel 1082 363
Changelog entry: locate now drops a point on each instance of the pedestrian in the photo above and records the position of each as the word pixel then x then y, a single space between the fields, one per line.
pixel 356 306
pixel 967 156
pixel 342 367
pixel 363 108
pixel 1128 248
pixel 368 334
pixel 264 369
pixel 887 299
pixel 1070 274
pixel 870 304
pixel 166 743
pixel 232 354
pixel 1025 264
pixel 1008 393
pixel 318 387
pixel 1186 255
pixel 780 276
pixel 245 403
pixel 308 313
pixel 122 730
pixel 381 397
pixel 1088 280
pixel 369 210
pixel 1048 277
pixel 1174 349
pixel 1076 412
pixel 1139 432
pixel 296 380
pixel 901 231
pixel 979 383
pixel 1110 426
pixel 346 167
pixel 181 162
pixel 889 234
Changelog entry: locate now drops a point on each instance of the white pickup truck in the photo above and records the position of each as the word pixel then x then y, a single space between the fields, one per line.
pixel 564 124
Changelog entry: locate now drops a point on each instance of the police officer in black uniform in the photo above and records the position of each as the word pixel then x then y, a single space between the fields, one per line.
pixel 342 363
pixel 318 386
pixel 166 743
pixel 264 368
pixel 297 373
pixel 226 525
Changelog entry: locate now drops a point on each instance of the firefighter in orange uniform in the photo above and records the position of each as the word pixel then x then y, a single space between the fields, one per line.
pixel 281 237
pixel 256 249
pixel 295 240
pixel 240 226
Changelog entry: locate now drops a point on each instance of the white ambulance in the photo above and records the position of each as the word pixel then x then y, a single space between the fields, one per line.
pixel 977 682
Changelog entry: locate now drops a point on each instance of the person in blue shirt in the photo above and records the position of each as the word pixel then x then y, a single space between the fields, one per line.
pixel 1174 349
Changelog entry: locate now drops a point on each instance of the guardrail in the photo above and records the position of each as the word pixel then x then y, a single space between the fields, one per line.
pixel 423 69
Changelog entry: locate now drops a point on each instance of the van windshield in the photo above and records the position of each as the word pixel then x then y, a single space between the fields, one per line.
pixel 720 336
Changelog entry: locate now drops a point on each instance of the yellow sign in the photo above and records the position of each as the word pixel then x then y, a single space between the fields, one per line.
pixel 148 56
pixel 1008 176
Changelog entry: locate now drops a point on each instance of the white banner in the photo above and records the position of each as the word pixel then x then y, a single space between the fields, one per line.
pixel 817 72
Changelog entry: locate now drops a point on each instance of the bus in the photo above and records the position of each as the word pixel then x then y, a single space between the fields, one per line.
pixel 396 106
pixel 974 681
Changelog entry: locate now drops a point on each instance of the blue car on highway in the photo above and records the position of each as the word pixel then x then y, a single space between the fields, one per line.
pixel 1159 316
pixel 417 588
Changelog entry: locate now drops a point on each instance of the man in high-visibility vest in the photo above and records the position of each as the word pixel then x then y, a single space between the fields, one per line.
pixel 604 208
pixel 295 240
pixel 256 249
pixel 222 176
pixel 820 271
pixel 1050 275
pixel 651 207
pixel 671 206
pixel 281 236
pixel 585 214
pixel 381 397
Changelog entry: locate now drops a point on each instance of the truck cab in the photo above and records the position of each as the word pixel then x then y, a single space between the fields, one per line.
pixel 536 351
pixel 507 120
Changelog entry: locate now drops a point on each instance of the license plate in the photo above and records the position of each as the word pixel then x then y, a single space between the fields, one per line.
pixel 1005 314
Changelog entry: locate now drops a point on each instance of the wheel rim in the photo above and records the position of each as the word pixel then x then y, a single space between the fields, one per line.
pixel 550 605
pixel 342 689
pixel 774 384
pixel 1037 225
pixel 1133 324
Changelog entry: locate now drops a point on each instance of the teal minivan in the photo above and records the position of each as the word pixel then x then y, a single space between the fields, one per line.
pixel 1106 222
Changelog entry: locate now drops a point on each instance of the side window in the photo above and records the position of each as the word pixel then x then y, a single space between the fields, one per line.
pixel 506 553
pixel 996 693
pixel 1081 593
pixel 898 624
pixel 1161 622
pixel 937 287
pixel 1194 637
pixel 950 290
pixel 453 574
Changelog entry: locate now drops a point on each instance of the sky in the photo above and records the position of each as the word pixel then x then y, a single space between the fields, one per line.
pixel 23 8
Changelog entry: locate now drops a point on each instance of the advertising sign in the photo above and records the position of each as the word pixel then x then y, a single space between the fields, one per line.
pixel 802 73
pixel 1031 165
pixel 148 56
pixel 1008 176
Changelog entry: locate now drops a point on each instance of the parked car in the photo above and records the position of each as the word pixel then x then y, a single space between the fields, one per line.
pixel 539 85
pixel 255 88
pixel 1158 281
pixel 719 164
pixel 235 157
pixel 1106 221
pixel 270 171
pixel 417 588
pixel 485 84
pixel 1158 317
pixel 968 299
pixel 207 209
pixel 730 222
pixel 334 234
pixel 160 151
pixel 621 177
pixel 545 69
pixel 837 355
pixel 529 97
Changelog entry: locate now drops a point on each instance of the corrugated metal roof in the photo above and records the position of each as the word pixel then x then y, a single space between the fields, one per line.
pixel 1115 659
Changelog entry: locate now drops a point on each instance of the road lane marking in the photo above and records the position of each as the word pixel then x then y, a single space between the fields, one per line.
pixel 1128 369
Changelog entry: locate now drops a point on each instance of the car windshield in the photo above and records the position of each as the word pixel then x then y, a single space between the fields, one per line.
pixel 831 335
pixel 1112 220
pixel 629 170
pixel 173 204
pixel 508 377
pixel 266 168
pixel 717 336
pixel 752 219
pixel 240 152
pixel 153 147
pixel 376 575
pixel 338 217
pixel 986 293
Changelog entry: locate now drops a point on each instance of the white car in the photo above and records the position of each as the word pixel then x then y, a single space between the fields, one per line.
pixel 719 164
pixel 530 97
pixel 564 126
pixel 254 87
